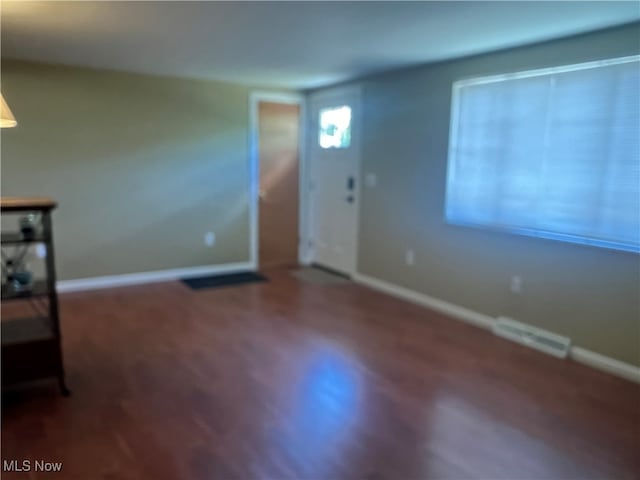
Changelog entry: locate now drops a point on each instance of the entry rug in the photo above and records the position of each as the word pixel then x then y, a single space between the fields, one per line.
pixel 228 280
pixel 319 277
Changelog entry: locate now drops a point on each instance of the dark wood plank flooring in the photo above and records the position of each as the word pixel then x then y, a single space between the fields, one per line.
pixel 287 380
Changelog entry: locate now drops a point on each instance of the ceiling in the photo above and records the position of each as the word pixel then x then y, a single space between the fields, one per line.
pixel 286 44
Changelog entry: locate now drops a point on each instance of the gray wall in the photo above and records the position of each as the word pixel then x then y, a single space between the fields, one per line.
pixel 588 293
pixel 141 166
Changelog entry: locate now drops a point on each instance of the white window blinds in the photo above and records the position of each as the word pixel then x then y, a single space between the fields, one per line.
pixel 552 153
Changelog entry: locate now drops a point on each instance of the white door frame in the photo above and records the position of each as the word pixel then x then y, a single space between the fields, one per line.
pixel 357 120
pixel 255 97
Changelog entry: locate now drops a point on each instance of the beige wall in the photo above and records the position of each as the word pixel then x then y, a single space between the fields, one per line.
pixel 588 293
pixel 144 166
pixel 141 166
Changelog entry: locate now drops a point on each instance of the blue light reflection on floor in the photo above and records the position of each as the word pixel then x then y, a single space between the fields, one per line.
pixel 324 412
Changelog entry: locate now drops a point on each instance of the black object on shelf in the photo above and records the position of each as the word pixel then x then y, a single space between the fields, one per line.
pixel 32 346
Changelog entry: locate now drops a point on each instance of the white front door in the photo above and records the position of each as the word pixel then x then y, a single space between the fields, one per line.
pixel 334 158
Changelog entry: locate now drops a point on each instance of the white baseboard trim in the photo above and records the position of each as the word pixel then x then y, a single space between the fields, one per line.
pixel 461 313
pixel 111 281
pixel 605 364
pixel 578 354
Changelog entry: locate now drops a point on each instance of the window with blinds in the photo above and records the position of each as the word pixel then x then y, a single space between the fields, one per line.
pixel 551 153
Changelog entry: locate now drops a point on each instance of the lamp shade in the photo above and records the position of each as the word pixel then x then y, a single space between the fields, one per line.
pixel 7 119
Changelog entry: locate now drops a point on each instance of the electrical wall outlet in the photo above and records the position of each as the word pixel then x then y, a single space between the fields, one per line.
pixel 209 239
pixel 409 257
pixel 516 284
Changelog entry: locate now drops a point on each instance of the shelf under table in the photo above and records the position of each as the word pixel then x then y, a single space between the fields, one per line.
pixel 25 330
pixel 15 238
pixel 39 289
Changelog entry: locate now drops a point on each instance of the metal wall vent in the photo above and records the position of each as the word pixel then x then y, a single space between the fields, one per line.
pixel 533 337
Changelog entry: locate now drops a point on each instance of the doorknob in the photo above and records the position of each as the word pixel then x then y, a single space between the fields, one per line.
pixel 262 194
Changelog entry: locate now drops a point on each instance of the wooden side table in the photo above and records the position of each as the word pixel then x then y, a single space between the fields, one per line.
pixel 32 346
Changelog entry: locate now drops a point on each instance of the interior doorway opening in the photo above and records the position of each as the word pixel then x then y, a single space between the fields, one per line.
pixel 277 134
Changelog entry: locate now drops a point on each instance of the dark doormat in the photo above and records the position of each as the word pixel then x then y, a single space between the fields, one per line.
pixel 216 281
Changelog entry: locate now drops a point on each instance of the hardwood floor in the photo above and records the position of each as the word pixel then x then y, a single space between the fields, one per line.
pixel 288 380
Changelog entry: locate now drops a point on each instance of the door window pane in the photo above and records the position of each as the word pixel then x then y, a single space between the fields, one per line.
pixel 335 127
